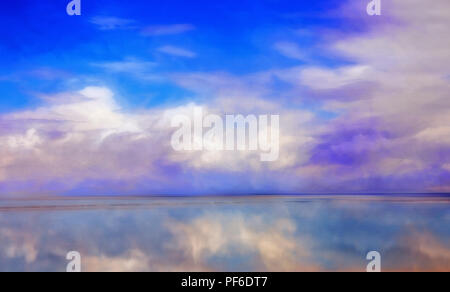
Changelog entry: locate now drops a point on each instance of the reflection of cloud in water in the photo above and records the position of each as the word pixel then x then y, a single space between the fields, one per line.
pixel 274 246
pixel 427 252
pixel 18 244
pixel 220 235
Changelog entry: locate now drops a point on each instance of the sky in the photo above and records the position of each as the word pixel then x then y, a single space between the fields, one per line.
pixel 86 101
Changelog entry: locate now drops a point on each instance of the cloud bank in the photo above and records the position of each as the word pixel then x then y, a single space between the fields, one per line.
pixel 385 127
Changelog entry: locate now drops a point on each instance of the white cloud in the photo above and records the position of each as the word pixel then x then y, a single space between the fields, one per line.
pixel 290 50
pixel 129 65
pixel 176 51
pixel 327 79
pixel 395 128
pixel 82 138
pixel 160 30
pixel 86 135
pixel 112 23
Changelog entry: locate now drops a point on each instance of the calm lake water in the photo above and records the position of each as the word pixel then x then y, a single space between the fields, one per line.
pixel 270 233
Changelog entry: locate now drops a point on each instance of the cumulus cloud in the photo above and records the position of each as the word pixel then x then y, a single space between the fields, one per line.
pixel 85 141
pixel 76 137
pixel 392 132
pixel 387 133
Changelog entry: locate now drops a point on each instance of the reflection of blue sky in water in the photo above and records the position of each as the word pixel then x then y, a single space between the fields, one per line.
pixel 231 234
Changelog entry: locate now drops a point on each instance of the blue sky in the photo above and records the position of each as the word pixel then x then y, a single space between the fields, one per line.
pixel 236 37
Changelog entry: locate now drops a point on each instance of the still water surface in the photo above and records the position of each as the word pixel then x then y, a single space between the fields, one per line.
pixel 268 233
